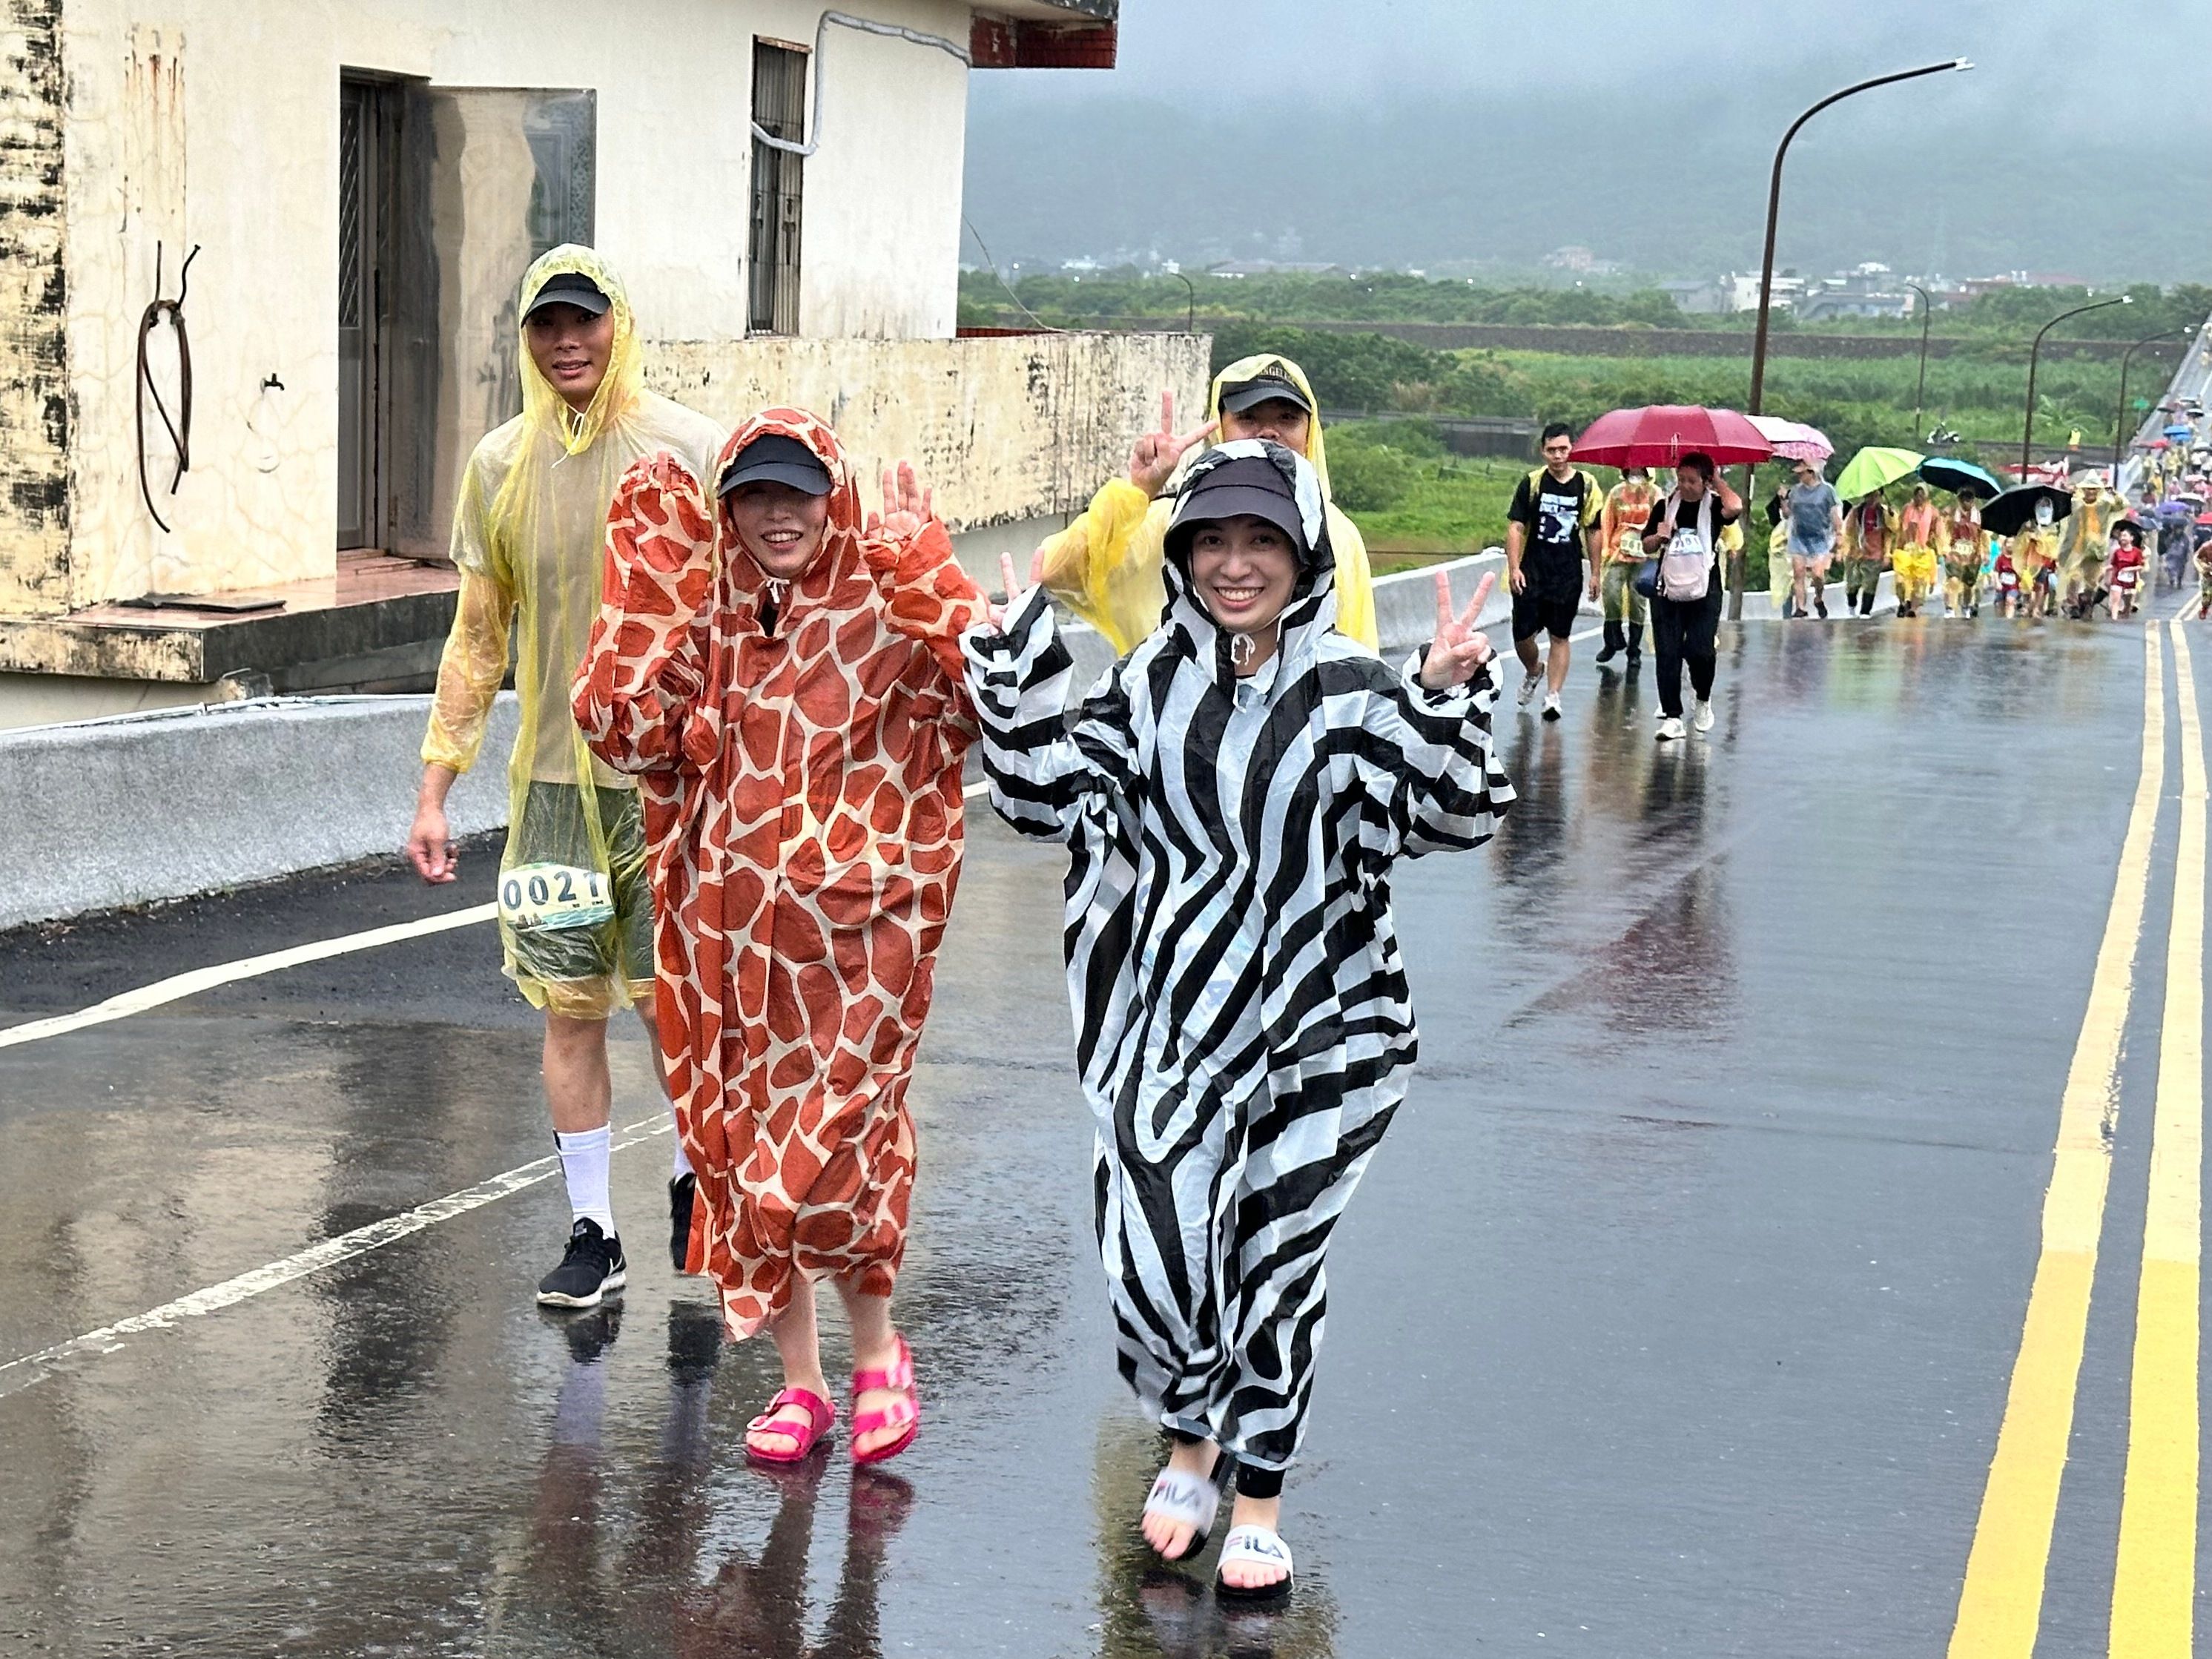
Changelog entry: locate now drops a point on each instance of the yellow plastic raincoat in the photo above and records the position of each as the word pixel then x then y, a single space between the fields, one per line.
pixel 1105 567
pixel 2086 534
pixel 528 532
pixel 1919 530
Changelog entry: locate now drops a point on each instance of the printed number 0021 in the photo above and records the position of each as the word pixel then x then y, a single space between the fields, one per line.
pixel 551 897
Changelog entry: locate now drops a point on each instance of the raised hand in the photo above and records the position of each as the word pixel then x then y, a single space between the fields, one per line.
pixel 1152 462
pixel 907 505
pixel 1458 650
pixel 1016 590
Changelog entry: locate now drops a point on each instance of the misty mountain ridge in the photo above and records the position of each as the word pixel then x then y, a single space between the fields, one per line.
pixel 1922 178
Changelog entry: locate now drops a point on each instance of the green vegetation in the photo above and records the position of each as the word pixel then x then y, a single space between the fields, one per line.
pixel 1978 394
pixel 1409 495
pixel 2010 316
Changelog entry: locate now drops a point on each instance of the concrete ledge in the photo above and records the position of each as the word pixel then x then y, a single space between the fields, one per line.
pixel 160 806
pixel 174 802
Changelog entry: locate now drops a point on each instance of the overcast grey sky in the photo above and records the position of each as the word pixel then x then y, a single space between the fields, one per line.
pixel 1412 129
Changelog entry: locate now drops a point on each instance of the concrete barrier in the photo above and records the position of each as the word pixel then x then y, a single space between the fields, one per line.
pixel 120 811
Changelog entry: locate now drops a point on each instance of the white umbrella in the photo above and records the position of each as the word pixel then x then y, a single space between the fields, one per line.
pixel 1794 439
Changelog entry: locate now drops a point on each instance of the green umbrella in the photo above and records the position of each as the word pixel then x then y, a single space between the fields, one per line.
pixel 1876 469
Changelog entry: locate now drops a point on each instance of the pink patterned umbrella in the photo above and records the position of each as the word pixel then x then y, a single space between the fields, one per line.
pixel 1793 440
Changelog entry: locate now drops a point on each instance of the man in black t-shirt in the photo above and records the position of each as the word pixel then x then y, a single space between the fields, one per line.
pixel 1545 530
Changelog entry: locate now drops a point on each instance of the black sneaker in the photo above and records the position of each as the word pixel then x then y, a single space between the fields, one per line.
pixel 592 1266
pixel 681 1192
pixel 1820 604
pixel 1611 650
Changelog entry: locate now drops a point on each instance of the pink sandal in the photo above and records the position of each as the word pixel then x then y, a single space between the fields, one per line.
pixel 820 1414
pixel 898 1378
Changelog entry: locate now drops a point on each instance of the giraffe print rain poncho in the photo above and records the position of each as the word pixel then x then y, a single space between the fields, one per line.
pixel 799 761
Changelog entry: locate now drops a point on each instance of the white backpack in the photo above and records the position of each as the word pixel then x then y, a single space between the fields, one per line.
pixel 1686 564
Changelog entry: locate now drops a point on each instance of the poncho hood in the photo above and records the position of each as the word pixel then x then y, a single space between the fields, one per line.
pixel 542 408
pixel 1266 366
pixel 839 558
pixel 1312 609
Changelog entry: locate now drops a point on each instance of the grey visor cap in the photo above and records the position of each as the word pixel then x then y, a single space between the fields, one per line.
pixel 571 288
pixel 773 458
pixel 1237 399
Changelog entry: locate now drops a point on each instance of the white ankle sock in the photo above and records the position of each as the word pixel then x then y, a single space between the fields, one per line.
pixel 584 1166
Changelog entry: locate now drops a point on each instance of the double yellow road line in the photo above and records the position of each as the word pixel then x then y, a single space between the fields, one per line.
pixel 2001 1606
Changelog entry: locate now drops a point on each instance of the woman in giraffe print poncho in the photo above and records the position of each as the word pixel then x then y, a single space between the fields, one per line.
pixel 1234 793
pixel 786 682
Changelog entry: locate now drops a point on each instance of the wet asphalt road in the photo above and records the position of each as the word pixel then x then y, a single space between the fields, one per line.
pixel 1675 1316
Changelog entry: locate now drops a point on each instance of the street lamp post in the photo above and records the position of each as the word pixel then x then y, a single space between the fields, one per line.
pixel 1190 313
pixel 2035 352
pixel 1766 265
pixel 2120 423
pixel 1920 387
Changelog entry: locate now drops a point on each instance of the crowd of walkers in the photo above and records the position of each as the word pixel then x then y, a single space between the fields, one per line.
pixel 737 808
pixel 2083 551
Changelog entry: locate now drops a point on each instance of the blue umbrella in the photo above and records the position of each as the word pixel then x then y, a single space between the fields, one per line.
pixel 2180 430
pixel 1948 473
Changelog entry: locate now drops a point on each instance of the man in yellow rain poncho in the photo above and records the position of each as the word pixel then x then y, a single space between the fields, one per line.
pixel 2083 541
pixel 575 919
pixel 1105 567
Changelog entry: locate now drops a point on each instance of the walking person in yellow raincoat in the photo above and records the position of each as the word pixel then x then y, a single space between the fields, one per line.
pixel 1870 533
pixel 1619 555
pixel 2034 553
pixel 2083 541
pixel 575 914
pixel 1106 566
pixel 1965 550
pixel 1920 529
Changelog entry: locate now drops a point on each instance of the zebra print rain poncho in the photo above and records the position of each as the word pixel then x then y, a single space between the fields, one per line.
pixel 1241 1022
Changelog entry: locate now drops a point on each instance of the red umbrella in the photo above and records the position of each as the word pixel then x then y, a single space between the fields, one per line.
pixel 1662 434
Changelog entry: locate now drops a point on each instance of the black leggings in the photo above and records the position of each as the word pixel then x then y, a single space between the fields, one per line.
pixel 1686 631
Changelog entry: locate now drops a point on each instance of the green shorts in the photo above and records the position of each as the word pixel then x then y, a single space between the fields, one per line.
pixel 583 973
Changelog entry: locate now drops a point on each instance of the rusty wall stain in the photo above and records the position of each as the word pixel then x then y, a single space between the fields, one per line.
pixel 34 297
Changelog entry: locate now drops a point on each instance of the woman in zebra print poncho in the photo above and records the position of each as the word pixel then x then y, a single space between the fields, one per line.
pixel 1233 794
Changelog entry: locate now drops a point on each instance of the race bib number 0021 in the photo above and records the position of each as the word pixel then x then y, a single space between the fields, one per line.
pixel 550 897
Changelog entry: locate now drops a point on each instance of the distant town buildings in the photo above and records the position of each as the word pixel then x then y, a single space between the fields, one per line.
pixel 1870 290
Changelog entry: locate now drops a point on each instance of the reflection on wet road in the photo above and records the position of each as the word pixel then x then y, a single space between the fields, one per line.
pixel 1676 1317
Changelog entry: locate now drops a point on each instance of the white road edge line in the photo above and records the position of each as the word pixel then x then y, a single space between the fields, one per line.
pixel 179 986
pixel 21 1373
pixel 206 979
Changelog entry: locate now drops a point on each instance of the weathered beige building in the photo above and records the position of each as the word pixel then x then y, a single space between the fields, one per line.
pixel 255 483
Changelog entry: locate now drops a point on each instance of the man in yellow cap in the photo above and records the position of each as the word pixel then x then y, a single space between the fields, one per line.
pixel 1105 567
pixel 575 913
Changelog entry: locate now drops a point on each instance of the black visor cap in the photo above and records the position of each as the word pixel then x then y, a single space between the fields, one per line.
pixel 1250 394
pixel 571 288
pixel 1249 487
pixel 772 458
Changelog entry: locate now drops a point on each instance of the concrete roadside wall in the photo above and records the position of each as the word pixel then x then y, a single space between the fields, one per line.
pixel 122 812
pixel 108 813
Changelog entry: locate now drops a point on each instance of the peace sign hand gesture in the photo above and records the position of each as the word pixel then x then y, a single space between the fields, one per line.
pixel 907 505
pixel 1152 462
pixel 1017 591
pixel 1458 651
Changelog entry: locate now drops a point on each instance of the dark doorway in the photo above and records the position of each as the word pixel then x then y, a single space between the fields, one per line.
pixel 368 117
